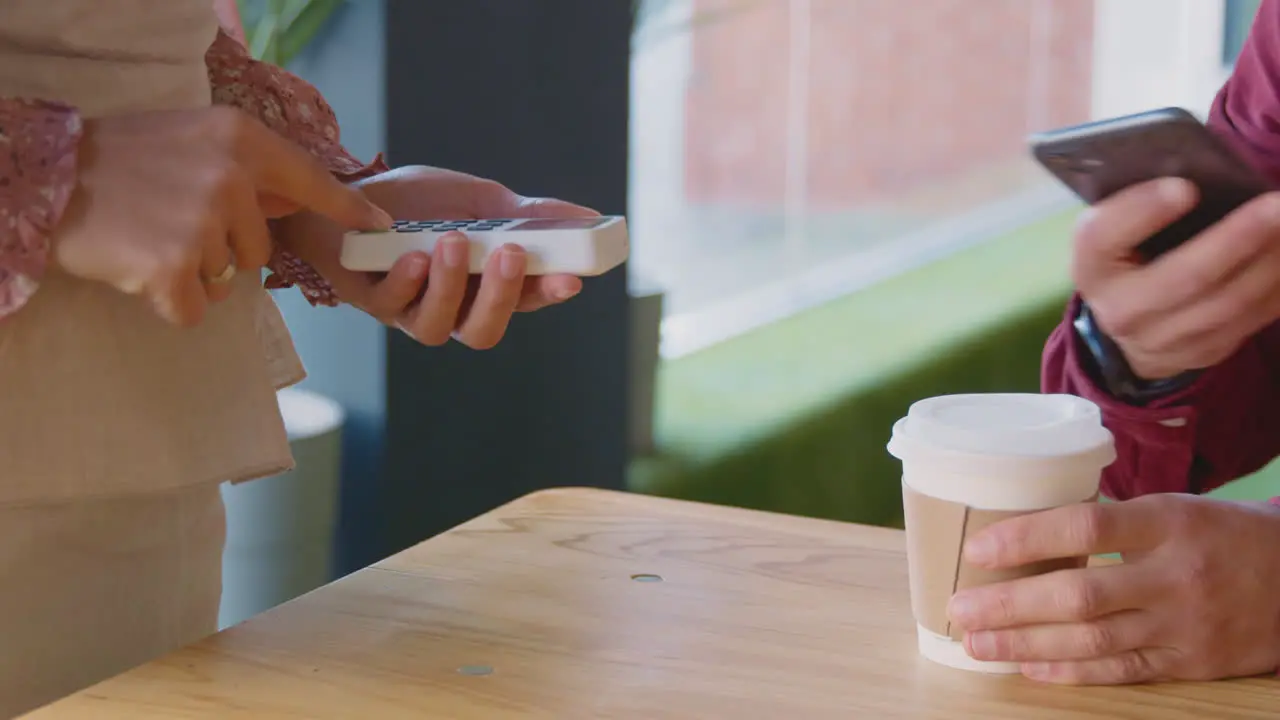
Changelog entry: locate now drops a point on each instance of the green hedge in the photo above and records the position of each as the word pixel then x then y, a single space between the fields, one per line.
pixel 794 417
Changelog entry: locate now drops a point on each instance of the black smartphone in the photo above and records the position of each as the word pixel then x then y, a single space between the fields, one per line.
pixel 1098 159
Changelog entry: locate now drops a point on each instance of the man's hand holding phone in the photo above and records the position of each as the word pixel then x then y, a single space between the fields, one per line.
pixel 1190 308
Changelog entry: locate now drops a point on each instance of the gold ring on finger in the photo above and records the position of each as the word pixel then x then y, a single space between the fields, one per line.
pixel 225 276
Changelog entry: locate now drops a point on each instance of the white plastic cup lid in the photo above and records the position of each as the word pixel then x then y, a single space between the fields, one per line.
pixel 1014 425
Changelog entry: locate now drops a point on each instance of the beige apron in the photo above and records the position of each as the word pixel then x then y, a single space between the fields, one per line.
pixel 115 428
pixel 100 397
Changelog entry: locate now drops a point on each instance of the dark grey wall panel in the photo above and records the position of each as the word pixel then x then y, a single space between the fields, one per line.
pixel 533 93
pixel 344 350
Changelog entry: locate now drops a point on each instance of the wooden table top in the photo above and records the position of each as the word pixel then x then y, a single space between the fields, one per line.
pixel 585 604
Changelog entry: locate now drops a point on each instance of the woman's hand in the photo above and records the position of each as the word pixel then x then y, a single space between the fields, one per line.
pixel 170 204
pixel 475 310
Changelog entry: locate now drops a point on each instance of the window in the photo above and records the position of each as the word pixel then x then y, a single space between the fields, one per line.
pixel 788 152
pixel 1239 18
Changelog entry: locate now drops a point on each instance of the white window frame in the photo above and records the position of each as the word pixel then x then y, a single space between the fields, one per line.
pixel 1157 53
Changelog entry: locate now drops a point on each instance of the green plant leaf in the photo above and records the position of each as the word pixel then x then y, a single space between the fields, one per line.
pixel 309 21
pixel 277 31
pixel 261 37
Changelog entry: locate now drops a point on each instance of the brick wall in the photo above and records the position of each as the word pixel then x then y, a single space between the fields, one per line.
pixel 902 93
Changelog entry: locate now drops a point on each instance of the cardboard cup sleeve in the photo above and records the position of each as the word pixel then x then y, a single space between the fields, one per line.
pixel 936 533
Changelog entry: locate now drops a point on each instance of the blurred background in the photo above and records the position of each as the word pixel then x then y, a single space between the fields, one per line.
pixel 833 214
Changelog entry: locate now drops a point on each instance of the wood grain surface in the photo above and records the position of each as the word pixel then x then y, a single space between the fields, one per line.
pixel 583 604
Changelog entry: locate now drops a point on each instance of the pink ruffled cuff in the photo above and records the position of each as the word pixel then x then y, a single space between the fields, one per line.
pixel 288 270
pixel 293 108
pixel 38 144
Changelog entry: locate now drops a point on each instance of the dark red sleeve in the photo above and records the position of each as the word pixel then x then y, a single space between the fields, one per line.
pixel 1226 425
pixel 1246 112
pixel 1223 427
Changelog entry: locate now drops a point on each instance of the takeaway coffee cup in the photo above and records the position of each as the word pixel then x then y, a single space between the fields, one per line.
pixel 972 460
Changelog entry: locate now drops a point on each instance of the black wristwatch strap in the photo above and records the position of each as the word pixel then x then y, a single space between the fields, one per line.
pixel 1114 371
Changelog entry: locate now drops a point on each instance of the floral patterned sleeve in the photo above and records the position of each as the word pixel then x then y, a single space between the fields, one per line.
pixel 38 165
pixel 296 110
pixel 38 142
